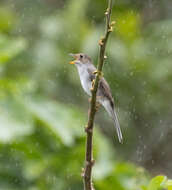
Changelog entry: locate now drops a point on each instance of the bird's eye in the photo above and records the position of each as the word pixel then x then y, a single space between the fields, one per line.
pixel 81 56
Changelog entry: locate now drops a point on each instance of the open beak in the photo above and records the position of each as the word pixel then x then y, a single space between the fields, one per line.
pixel 73 55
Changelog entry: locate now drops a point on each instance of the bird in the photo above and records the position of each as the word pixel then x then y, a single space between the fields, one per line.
pixel 87 73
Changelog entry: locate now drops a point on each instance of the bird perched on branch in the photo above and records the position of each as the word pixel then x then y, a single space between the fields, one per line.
pixel 87 74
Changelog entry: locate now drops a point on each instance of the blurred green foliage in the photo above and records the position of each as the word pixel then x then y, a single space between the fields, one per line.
pixel 43 107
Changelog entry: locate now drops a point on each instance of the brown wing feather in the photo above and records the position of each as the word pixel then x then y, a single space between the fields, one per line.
pixel 92 75
pixel 105 89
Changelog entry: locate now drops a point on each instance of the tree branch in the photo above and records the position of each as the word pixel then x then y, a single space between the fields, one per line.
pixel 87 175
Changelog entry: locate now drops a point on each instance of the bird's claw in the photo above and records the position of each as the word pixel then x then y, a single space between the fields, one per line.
pixel 100 73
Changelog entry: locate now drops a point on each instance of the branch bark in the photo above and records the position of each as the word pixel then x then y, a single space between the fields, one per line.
pixel 87 175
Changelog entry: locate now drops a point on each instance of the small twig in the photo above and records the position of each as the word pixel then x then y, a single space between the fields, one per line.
pixel 89 162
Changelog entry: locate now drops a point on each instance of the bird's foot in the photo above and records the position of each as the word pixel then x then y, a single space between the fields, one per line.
pixel 100 73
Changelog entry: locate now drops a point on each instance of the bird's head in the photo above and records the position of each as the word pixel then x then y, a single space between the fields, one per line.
pixel 80 58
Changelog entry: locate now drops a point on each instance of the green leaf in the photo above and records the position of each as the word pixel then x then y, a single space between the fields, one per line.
pixel 169 184
pixel 157 183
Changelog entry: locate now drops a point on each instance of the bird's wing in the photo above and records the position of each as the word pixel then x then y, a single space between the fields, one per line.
pixel 105 90
pixel 91 70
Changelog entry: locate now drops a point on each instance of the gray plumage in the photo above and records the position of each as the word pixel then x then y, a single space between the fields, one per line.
pixel 86 73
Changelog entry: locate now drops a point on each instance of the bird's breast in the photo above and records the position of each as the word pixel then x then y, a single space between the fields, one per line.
pixel 85 80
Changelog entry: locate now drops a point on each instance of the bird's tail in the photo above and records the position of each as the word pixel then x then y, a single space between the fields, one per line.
pixel 117 126
pixel 113 114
